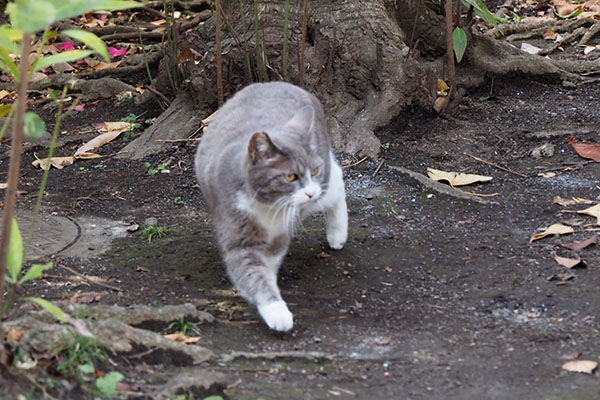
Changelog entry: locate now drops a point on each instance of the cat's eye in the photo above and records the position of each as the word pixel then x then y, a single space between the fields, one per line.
pixel 314 171
pixel 290 177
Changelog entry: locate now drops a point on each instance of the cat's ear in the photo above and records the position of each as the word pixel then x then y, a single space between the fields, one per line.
pixel 261 147
pixel 302 120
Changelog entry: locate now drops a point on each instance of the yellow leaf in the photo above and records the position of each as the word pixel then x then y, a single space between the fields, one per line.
pixel 593 211
pixel 455 178
pixel 441 85
pixel 56 162
pixel 582 366
pixel 182 338
pixel 556 229
pixel 547 174
pixel 116 126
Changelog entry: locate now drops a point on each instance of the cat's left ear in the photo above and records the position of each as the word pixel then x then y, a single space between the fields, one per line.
pixel 302 120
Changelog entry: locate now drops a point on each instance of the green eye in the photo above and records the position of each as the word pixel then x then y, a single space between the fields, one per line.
pixel 314 171
pixel 290 177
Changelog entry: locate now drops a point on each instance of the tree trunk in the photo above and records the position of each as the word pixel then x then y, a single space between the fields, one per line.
pixel 356 62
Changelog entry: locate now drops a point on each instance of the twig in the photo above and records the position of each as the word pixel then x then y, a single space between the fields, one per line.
pixel 378 168
pixel 159 94
pixel 303 45
pixel 498 166
pixel 356 163
pixel 219 58
pixel 85 278
pixel 178 140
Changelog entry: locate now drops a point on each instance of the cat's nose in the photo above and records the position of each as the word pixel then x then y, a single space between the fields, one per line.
pixel 310 194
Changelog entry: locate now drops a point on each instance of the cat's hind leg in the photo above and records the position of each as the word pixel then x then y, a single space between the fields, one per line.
pixel 257 282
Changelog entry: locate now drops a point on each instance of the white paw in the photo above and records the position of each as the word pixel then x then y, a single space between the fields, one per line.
pixel 277 316
pixel 337 238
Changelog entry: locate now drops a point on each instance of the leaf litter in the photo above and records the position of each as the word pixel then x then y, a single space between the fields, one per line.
pixel 586 150
pixel 581 244
pixel 581 366
pixel 569 262
pixel 555 229
pixel 456 178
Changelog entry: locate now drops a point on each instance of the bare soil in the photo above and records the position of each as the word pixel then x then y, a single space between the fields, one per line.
pixel 433 297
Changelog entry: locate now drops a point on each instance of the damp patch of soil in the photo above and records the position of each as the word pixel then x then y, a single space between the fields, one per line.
pixel 433 297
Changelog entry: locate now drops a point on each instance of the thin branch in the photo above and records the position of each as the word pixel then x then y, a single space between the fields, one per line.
pixel 219 58
pixel 15 159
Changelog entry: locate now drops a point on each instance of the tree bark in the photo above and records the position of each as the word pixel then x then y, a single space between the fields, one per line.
pixel 356 63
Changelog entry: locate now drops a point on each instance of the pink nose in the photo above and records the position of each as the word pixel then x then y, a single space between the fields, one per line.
pixel 310 194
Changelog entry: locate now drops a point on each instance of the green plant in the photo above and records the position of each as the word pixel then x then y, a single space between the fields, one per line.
pixel 28 17
pixel 159 168
pixel 152 231
pixel 181 325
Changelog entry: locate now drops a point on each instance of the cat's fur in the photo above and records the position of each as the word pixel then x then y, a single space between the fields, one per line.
pixel 264 133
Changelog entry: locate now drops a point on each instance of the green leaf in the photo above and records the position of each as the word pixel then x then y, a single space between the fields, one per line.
pixel 35 271
pixel 482 11
pixel 9 38
pixel 31 15
pixel 572 15
pixel 14 259
pixel 65 56
pixel 107 384
pixel 459 42
pixel 8 65
pixel 5 109
pixel 51 308
pixel 90 40
pixel 34 126
pixel 72 8
pixel 87 368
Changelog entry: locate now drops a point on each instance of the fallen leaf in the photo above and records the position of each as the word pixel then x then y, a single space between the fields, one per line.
pixel 14 335
pixel 547 174
pixel 456 178
pixel 4 93
pixel 528 48
pixel 116 126
pixel 562 277
pixel 56 162
pixel 439 103
pixel 581 244
pixel 556 229
pixel 323 255
pixel 586 150
pixel 568 262
pixel 593 211
pixel 114 52
pixel 3 185
pixel 582 366
pixel 182 338
pixel 65 46
pixel 87 151
pixel 571 356
pixel 549 34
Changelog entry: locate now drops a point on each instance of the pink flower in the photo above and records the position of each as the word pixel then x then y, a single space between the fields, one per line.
pixel 114 52
pixel 65 46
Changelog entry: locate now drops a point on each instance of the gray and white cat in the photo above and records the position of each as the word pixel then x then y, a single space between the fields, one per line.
pixel 264 163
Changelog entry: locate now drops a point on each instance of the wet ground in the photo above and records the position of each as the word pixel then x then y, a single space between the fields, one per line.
pixel 433 297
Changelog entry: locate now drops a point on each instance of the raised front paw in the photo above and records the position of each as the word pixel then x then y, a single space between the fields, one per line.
pixel 277 316
pixel 337 238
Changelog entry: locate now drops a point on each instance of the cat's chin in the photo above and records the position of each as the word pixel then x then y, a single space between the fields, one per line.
pixel 277 316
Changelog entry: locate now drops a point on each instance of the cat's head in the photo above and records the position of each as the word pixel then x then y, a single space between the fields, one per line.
pixel 290 169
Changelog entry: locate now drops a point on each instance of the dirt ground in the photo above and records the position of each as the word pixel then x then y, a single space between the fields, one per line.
pixel 433 297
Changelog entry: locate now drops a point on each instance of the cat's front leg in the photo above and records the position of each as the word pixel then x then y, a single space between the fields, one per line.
pixel 257 282
pixel 337 214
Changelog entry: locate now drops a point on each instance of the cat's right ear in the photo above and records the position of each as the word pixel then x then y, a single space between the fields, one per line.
pixel 261 147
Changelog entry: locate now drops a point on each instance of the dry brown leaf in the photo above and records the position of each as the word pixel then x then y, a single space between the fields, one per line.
pixel 87 150
pixel 586 150
pixel 440 103
pixel 571 356
pixel 593 211
pixel 581 244
pixel 4 93
pixel 582 366
pixel 182 338
pixel 568 262
pixel 14 335
pixel 56 162
pixel 456 178
pixel 120 126
pixel 555 229
pixel 549 34
pixel 547 174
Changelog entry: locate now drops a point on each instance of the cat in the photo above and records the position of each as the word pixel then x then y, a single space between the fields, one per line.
pixel 264 163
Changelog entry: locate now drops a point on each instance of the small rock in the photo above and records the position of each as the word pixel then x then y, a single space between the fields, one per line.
pixel 568 85
pixel 151 221
pixel 544 150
